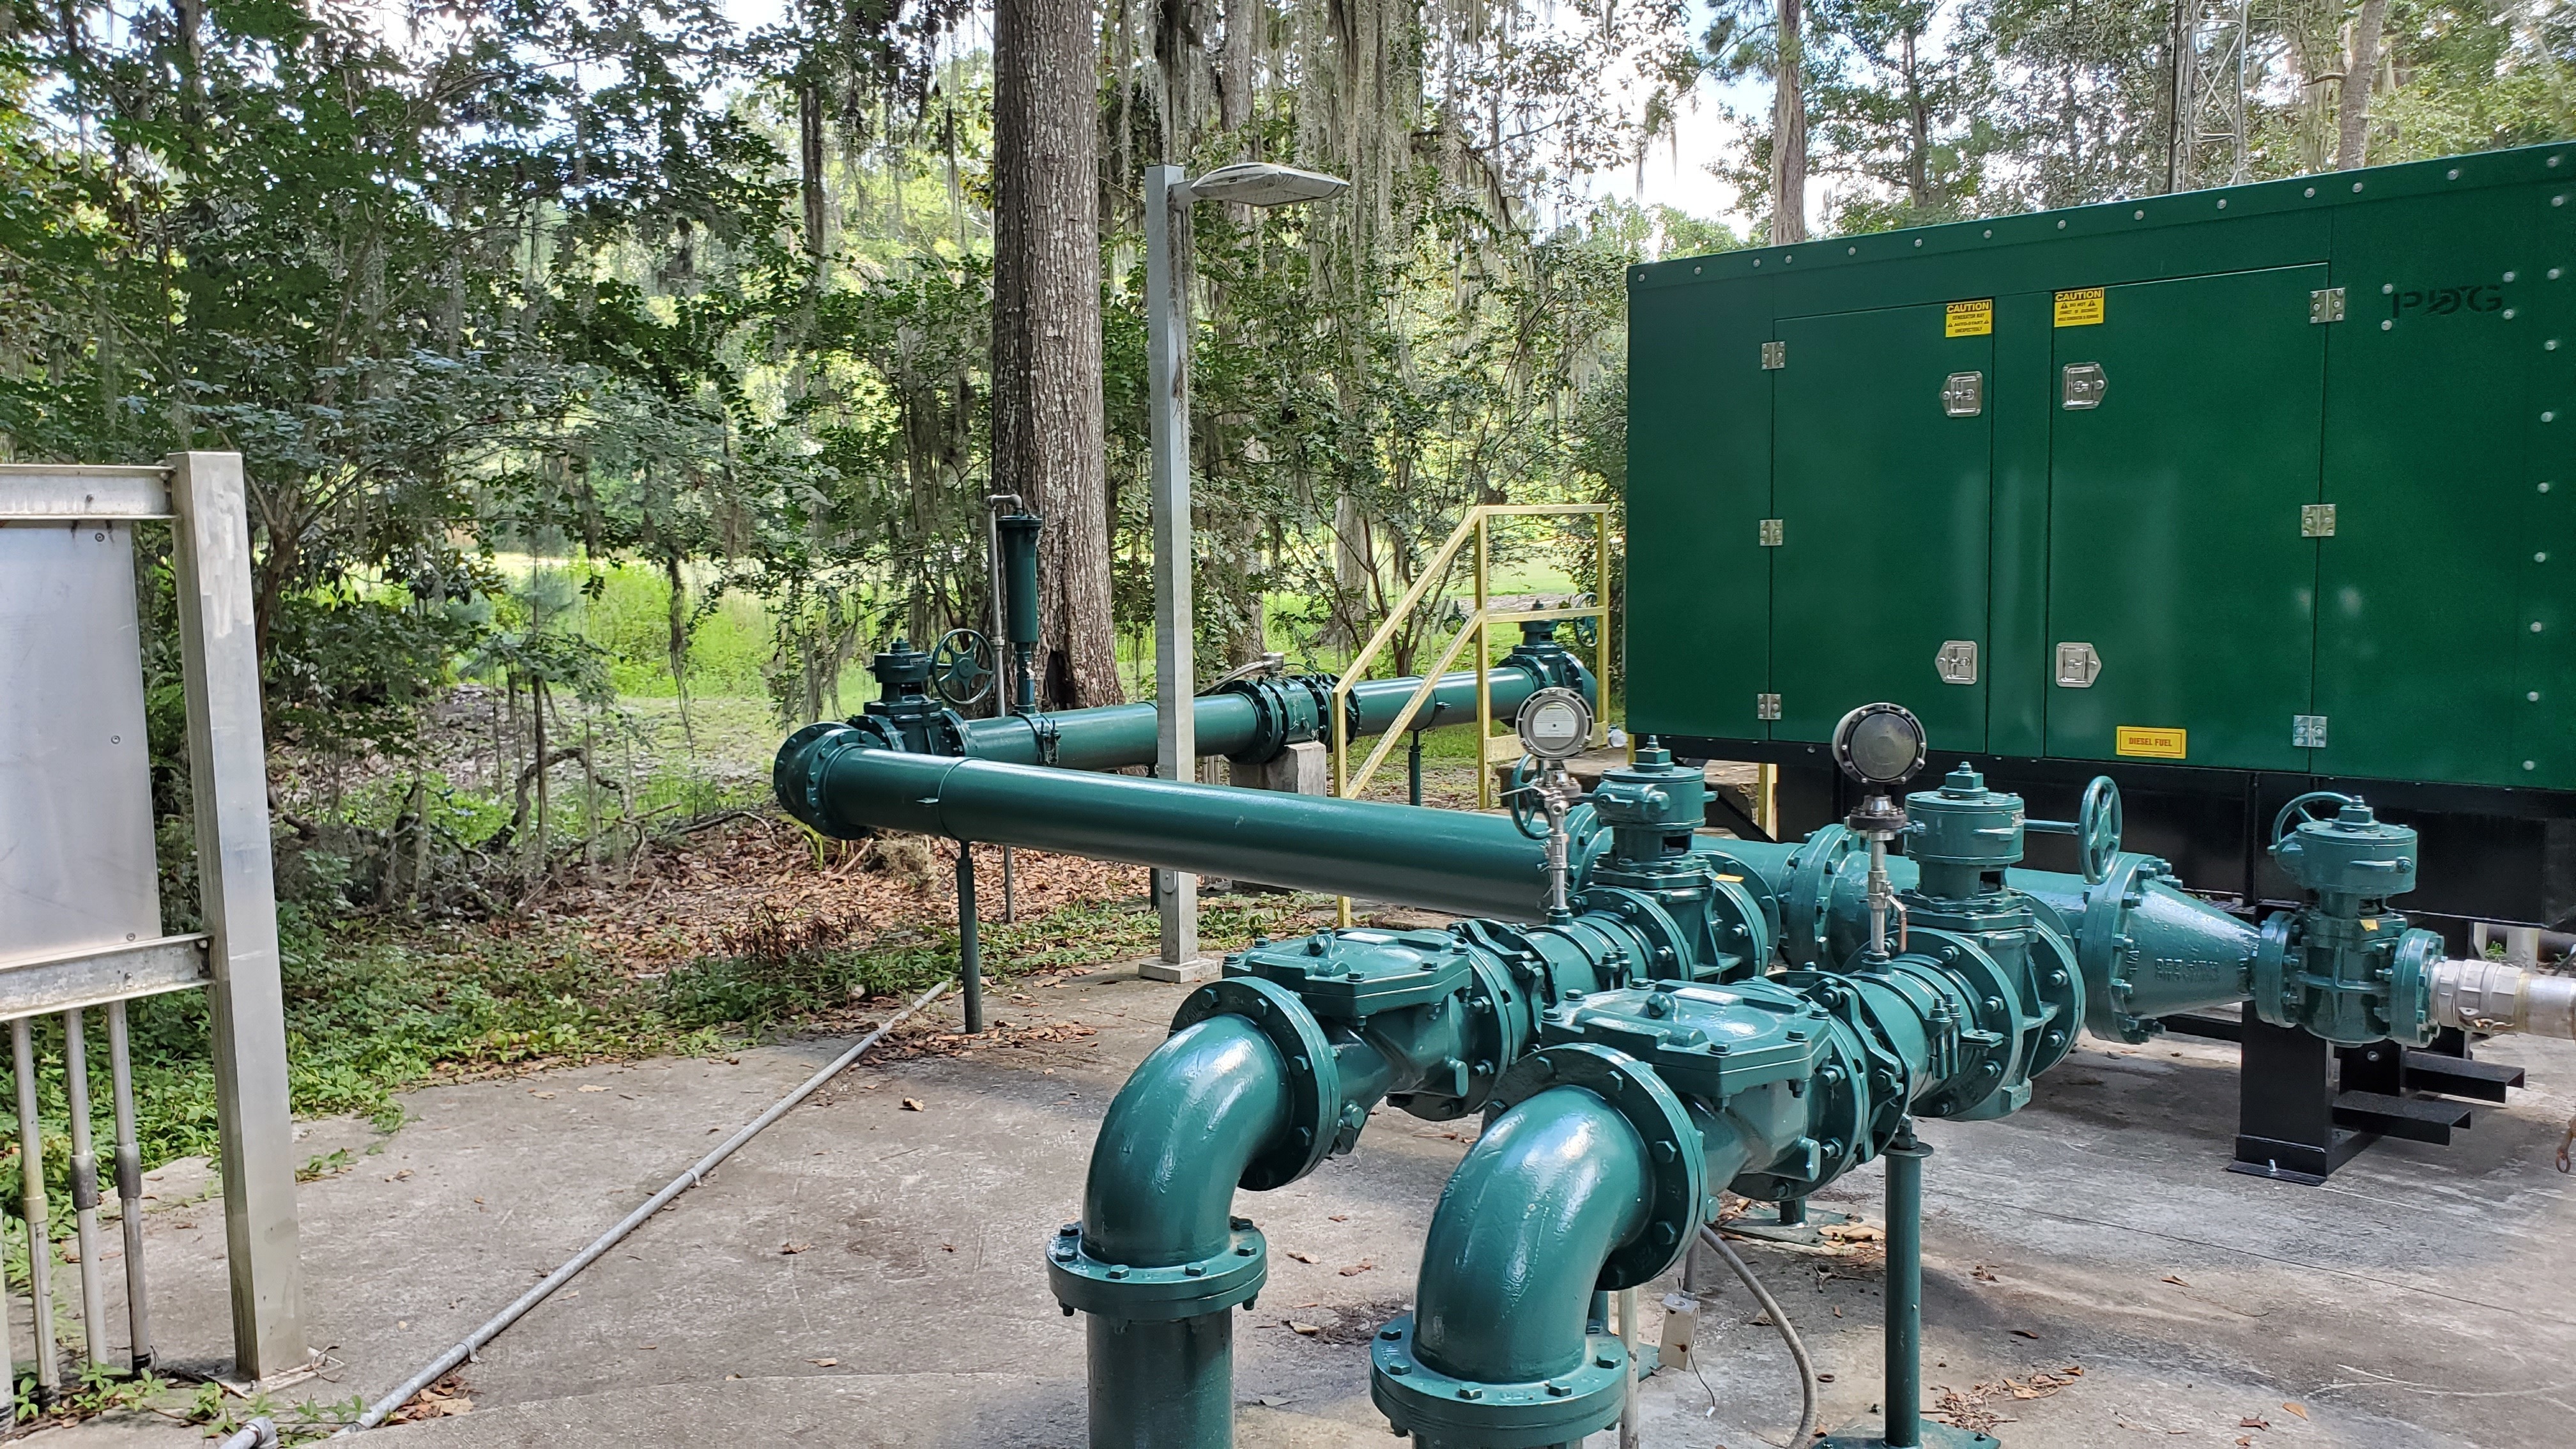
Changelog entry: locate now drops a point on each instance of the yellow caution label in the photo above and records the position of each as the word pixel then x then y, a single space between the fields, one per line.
pixel 1974 318
pixel 2144 742
pixel 2080 308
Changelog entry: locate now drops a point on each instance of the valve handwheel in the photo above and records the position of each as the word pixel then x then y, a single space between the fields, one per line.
pixel 2306 809
pixel 2097 829
pixel 961 667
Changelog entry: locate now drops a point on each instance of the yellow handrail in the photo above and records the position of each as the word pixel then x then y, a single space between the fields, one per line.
pixel 1478 626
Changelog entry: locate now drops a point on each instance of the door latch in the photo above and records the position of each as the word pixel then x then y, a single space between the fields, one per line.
pixel 1963 394
pixel 2077 666
pixel 2084 385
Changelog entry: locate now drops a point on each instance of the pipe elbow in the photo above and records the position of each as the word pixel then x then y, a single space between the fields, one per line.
pixel 1518 1241
pixel 1177 1140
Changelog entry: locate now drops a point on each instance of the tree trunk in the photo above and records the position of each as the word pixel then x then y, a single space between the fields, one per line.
pixel 2360 69
pixel 1234 65
pixel 809 150
pixel 1918 117
pixel 1048 433
pixel 1789 135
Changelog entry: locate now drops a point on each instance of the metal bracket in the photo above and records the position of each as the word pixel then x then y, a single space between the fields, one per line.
pixel 2316 520
pixel 1773 531
pixel 1963 394
pixel 2325 305
pixel 1957 661
pixel 1766 706
pixel 2084 384
pixel 2308 731
pixel 1775 355
pixel 2077 666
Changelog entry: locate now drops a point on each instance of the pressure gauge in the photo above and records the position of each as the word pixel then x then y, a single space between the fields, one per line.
pixel 1555 724
pixel 1880 744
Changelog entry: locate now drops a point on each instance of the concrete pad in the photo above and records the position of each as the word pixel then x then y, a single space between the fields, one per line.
pixel 871 1271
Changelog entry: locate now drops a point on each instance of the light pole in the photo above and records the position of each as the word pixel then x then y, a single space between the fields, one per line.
pixel 1167 376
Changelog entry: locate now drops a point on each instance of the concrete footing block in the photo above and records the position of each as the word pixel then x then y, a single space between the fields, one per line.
pixel 1154 968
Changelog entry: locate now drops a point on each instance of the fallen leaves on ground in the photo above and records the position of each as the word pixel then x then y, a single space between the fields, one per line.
pixel 1309 1330
pixel 1356 1269
pixel 444 1399
pixel 1966 1408
pixel 824 1362
pixel 913 1104
pixel 1301 1257
pixel 2299 1409
pixel 790 1250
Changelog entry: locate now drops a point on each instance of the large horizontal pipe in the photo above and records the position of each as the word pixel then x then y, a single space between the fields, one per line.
pixel 1475 865
pixel 1251 719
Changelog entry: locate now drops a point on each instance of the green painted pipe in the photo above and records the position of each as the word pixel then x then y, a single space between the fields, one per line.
pixel 1520 1234
pixel 1177 1138
pixel 830 777
pixel 1256 719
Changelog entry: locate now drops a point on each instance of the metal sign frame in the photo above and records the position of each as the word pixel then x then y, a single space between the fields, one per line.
pixel 236 958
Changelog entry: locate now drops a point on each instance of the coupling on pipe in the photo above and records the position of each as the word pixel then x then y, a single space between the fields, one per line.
pixel 2491 996
pixel 1591 1179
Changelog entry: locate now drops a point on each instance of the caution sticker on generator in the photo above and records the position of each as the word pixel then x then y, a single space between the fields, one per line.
pixel 2146 743
pixel 2080 308
pixel 1970 319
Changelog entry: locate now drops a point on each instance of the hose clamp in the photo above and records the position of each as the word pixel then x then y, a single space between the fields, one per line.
pixel 1677 1201
pixel 1233 1274
pixel 1314 1077
pixel 1437 1409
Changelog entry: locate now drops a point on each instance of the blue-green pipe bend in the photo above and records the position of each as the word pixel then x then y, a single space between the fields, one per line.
pixel 1163 1173
pixel 1552 1187
pixel 1475 865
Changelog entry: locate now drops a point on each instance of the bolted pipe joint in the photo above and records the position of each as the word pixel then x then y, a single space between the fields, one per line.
pixel 1591 1178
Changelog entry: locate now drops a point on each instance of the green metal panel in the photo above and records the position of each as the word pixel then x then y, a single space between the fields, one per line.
pixel 2544 736
pixel 2427 435
pixel 1882 497
pixel 1699 445
pixel 2425 462
pixel 2016 663
pixel 2174 535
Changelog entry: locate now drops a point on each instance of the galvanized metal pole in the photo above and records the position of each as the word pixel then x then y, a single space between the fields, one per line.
pixel 40 1240
pixel 228 774
pixel 970 944
pixel 1905 1289
pixel 1168 405
pixel 93 1277
pixel 129 1187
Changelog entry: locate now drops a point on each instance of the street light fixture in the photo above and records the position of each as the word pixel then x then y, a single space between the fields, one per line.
pixel 1168 194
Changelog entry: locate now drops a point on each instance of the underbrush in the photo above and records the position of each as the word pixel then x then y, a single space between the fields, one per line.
pixel 372 1012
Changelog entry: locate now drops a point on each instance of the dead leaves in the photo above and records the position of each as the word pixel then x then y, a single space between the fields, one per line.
pixel 1967 1408
pixel 444 1399
pixel 789 1250
pixel 1356 1269
pixel 1301 1257
pixel 913 1104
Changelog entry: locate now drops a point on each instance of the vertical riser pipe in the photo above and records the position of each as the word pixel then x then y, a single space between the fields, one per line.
pixel 1167 1385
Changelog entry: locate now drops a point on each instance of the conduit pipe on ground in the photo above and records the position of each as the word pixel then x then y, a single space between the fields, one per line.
pixel 492 1327
pixel 257 1434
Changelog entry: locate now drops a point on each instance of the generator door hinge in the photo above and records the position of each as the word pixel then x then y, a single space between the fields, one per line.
pixel 1773 530
pixel 2308 731
pixel 1766 706
pixel 2325 305
pixel 1775 355
pixel 2316 520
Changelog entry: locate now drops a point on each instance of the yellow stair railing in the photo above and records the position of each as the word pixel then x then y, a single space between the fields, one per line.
pixel 1478 628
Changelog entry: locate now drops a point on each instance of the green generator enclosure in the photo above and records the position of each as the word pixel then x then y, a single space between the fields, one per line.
pixel 2266 479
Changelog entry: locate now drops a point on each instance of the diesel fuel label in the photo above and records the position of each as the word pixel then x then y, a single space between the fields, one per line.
pixel 1974 318
pixel 2080 308
pixel 2143 742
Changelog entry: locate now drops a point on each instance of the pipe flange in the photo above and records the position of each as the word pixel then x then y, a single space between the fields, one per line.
pixel 1669 950
pixel 1677 1202
pixel 1436 1408
pixel 797 774
pixel 2410 987
pixel 1213 1284
pixel 1806 917
pixel 2106 954
pixel 2274 997
pixel 1314 1079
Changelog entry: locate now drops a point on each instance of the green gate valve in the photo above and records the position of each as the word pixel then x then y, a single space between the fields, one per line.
pixel 1962 836
pixel 2345 967
pixel 1314 1084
